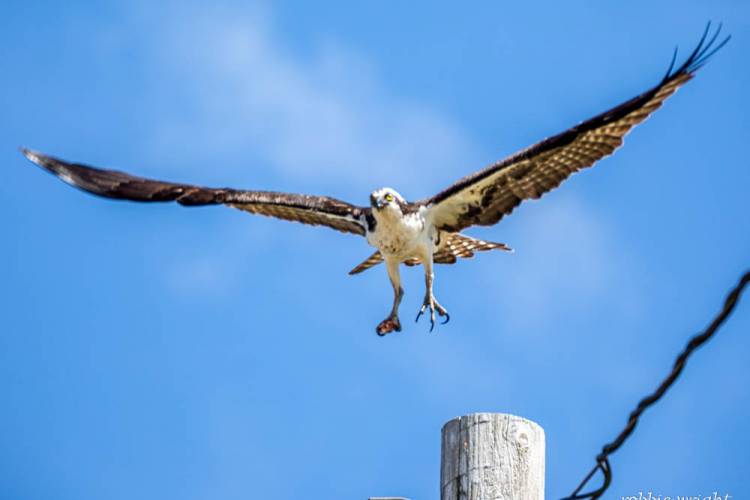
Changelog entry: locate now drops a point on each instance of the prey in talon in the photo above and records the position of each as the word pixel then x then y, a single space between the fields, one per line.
pixel 428 231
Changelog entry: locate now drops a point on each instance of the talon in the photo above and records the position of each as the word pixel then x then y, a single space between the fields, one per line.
pixel 419 314
pixel 434 307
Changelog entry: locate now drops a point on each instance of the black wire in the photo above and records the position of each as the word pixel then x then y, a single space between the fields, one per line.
pixel 602 460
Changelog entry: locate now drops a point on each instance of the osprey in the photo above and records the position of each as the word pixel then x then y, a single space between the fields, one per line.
pixel 428 231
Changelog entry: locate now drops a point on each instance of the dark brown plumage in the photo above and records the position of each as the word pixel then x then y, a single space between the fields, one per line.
pixel 315 210
pixel 484 197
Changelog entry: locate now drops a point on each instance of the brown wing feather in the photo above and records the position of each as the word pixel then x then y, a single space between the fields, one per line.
pixel 373 260
pixel 484 197
pixel 315 210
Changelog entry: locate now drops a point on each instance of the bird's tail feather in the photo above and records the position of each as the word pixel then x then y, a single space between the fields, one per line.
pixel 454 245
pixel 451 247
pixel 372 260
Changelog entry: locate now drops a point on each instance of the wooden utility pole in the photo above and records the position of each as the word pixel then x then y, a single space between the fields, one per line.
pixel 492 456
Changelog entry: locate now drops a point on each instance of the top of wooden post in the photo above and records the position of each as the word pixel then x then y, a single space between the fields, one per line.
pixel 492 456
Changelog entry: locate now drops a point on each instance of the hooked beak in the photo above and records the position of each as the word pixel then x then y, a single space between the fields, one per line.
pixel 377 203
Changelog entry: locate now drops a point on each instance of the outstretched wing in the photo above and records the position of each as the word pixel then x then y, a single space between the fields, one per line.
pixel 484 197
pixel 314 210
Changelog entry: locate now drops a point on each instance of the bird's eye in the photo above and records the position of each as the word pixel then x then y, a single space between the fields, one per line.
pixel 389 197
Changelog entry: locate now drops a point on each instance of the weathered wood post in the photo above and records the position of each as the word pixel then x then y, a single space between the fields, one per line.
pixel 492 456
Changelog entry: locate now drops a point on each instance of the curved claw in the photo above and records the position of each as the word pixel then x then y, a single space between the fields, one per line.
pixel 440 310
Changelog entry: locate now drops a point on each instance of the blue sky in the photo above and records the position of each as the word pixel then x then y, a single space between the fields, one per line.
pixel 160 352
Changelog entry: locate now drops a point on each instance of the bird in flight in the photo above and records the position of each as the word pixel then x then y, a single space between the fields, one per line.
pixel 427 231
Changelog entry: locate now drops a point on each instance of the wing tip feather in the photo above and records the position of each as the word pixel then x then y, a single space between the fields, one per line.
pixel 52 165
pixel 701 54
pixel 33 156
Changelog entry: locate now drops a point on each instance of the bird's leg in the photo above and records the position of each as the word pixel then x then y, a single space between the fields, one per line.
pixel 429 298
pixel 392 323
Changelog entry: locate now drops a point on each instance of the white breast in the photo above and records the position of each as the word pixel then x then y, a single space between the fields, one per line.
pixel 402 236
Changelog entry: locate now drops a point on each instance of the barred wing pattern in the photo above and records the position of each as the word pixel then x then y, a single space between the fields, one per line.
pixel 451 247
pixel 314 210
pixel 484 197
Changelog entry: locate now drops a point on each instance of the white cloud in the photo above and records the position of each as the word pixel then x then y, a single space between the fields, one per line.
pixel 322 119
pixel 562 268
pixel 202 274
pixel 570 243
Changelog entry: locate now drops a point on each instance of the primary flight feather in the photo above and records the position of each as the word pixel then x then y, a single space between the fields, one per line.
pixel 425 232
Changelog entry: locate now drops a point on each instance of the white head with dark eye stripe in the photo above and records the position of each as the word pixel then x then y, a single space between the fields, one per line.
pixel 386 199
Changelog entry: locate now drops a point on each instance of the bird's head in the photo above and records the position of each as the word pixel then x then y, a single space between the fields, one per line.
pixel 386 199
